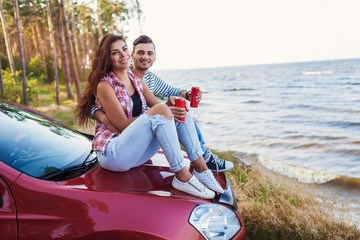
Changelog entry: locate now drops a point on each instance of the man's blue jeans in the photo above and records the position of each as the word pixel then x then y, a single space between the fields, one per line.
pixel 201 140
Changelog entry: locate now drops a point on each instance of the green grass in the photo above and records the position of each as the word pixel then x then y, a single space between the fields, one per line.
pixel 272 208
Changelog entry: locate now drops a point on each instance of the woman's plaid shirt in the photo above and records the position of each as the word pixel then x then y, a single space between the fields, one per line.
pixel 102 134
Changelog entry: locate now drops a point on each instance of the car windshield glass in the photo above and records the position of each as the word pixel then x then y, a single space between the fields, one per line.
pixel 36 145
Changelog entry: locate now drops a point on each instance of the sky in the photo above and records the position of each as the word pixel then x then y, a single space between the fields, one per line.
pixel 213 33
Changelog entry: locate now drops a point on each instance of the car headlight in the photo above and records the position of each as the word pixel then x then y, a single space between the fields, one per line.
pixel 214 221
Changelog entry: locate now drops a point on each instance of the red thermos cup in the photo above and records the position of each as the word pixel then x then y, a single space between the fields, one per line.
pixel 194 92
pixel 180 103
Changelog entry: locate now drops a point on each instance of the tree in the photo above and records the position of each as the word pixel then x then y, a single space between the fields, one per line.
pixel 75 39
pixel 87 24
pixel 51 33
pixel 139 13
pixel 35 14
pixel 22 57
pixel 99 20
pixel 7 42
pixel 72 57
pixel 42 50
pixel 1 79
pixel 113 13
pixel 65 61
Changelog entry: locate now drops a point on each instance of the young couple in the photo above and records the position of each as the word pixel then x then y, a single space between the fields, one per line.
pixel 124 98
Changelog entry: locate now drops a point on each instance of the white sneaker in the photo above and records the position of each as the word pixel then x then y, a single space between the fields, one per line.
pixel 208 179
pixel 193 187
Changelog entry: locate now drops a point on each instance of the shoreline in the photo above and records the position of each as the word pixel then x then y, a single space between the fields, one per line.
pixel 339 196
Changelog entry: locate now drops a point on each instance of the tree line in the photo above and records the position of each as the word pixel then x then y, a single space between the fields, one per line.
pixel 54 40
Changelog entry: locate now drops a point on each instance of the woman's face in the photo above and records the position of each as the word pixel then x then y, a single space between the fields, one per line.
pixel 119 55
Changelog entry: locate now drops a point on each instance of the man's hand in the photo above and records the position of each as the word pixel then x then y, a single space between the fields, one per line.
pixel 198 96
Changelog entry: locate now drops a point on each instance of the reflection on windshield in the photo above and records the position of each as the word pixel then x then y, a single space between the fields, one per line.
pixel 36 145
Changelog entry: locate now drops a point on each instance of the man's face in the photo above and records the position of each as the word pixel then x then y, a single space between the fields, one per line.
pixel 143 56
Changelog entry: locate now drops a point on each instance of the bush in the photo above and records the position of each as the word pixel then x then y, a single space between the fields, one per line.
pixel 13 91
pixel 36 68
pixel 4 62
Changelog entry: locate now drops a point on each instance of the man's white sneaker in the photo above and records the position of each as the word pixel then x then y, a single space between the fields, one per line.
pixel 208 179
pixel 193 187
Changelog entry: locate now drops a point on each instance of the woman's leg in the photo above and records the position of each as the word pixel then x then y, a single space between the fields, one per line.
pixel 166 135
pixel 188 137
pixel 128 149
pixel 142 139
pixel 133 146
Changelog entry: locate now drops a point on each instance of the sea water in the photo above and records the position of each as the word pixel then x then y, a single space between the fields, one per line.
pixel 300 120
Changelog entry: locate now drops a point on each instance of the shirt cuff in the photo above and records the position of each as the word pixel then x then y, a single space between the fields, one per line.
pixel 93 110
pixel 181 90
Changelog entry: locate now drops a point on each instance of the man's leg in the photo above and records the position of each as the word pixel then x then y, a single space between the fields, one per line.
pixel 213 162
pixel 201 140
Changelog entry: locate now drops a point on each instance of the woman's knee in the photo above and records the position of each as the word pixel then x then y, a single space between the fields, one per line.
pixel 160 109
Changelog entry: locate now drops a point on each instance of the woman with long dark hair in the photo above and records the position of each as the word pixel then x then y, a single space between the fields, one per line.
pixel 124 97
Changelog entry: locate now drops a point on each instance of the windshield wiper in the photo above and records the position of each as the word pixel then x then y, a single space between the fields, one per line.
pixel 89 162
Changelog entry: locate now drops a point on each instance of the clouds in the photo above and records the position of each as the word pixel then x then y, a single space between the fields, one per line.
pixel 207 33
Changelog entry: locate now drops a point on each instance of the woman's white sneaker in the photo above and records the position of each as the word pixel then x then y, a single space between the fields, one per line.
pixel 193 187
pixel 208 179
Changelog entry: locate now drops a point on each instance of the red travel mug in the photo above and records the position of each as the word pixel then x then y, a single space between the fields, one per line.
pixel 194 93
pixel 180 103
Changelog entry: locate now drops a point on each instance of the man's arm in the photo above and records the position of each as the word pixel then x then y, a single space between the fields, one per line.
pixel 185 94
pixel 158 86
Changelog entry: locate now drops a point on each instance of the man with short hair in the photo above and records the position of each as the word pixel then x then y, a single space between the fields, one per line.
pixel 144 56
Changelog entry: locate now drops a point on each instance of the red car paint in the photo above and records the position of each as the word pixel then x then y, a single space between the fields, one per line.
pixel 100 204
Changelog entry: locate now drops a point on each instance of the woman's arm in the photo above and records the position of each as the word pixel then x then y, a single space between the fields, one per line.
pixel 112 107
pixel 100 116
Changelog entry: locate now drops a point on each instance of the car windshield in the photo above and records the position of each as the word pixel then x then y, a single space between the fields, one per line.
pixel 36 145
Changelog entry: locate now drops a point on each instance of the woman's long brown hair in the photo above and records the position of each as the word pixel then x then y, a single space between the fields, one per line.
pixel 99 68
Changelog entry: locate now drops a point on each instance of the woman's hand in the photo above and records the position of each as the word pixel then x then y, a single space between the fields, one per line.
pixel 110 126
pixel 101 117
pixel 179 113
pixel 171 101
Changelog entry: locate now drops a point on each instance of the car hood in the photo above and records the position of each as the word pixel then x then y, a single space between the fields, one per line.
pixel 139 200
pixel 152 178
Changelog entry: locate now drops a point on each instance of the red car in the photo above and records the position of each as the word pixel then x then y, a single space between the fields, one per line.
pixel 51 187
